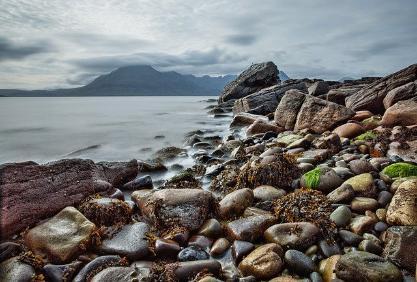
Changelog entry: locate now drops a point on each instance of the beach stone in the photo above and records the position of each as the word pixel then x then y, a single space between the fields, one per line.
pixel 362 204
pixel 27 186
pixel 298 235
pixel 360 166
pixel 211 228
pixel 241 249
pixel 260 126
pixel 267 193
pixel 403 208
pixel 401 113
pixel 106 211
pixel 299 262
pixel 56 273
pixel 9 249
pixel 151 166
pixel 264 262
pixel 249 228
pixel 122 274
pixel 350 238
pixel 370 246
pixel 362 184
pixel 372 268
pixel 253 79
pixel 185 270
pixel 169 153
pixel 95 266
pixel 328 180
pixel 342 194
pixel 62 237
pixel 219 246
pixel 327 268
pixel 15 270
pixel 349 130
pixel 166 248
pixel 187 208
pixel 130 241
pixel 330 141
pixel 341 216
pixel 384 198
pixel 343 172
pixel 401 247
pixel 234 203
pixel 250 211
pixel 329 249
pixel 245 119
pixel 142 182
pixel 193 253
pixel 362 223
pixel 361 115
pixel 200 241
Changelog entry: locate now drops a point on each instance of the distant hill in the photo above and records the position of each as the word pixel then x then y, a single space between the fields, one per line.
pixel 137 80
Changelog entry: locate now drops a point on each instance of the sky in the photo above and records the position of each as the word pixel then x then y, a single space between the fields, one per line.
pixel 61 43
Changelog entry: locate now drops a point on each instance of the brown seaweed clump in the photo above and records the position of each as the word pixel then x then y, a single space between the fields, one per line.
pixel 307 205
pixel 184 179
pixel 226 181
pixel 279 173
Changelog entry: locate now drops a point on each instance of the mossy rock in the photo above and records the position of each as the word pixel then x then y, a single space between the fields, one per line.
pixel 367 136
pixel 312 178
pixel 400 170
pixel 323 179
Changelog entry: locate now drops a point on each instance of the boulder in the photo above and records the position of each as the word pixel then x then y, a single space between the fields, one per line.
pixel 256 77
pixel 287 110
pixel 349 130
pixel 401 247
pixel 188 208
pixel 260 126
pixel 404 92
pixel 318 88
pixel 265 262
pixel 319 115
pixel 26 187
pixel 402 113
pixel 403 208
pixel 372 96
pixel 118 173
pixel 244 119
pixel 266 100
pixel 62 237
pixel 363 266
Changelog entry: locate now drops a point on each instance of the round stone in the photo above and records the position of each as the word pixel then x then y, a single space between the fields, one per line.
pixel 299 262
pixel 341 216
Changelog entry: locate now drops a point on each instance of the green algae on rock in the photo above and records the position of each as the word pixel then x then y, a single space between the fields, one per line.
pixel 367 136
pixel 400 170
pixel 312 178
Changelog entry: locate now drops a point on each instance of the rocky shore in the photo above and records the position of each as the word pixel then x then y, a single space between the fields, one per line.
pixel 316 181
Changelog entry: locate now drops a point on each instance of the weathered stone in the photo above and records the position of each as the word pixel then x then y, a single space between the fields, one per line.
pixel 401 247
pixel 287 110
pixel 256 77
pixel 299 235
pixel 62 237
pixel 402 113
pixel 211 228
pixel 264 262
pixel 363 266
pixel 186 270
pixel 241 249
pixel 299 262
pixel 342 194
pixel 362 204
pixel 106 211
pixel 362 184
pixel 122 274
pixel 318 88
pixel 403 208
pixel 26 187
pixel 266 100
pixel 361 224
pixel 349 130
pixel 9 249
pixel 16 271
pixel 404 92
pixel 219 246
pixel 341 216
pixel 249 228
pixel 58 273
pixel 188 208
pixel 118 173
pixel 142 182
pixel 360 166
pixel 245 119
pixel 95 266
pixel 130 241
pixel 319 115
pixel 328 180
pixel 267 193
pixel 234 203
pixel 371 97
pixel 260 126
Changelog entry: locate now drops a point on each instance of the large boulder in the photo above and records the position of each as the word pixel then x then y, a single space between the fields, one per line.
pixel 256 77
pixel 169 208
pixel 402 113
pixel 319 115
pixel 404 92
pixel 372 96
pixel 287 110
pixel 266 100
pixel 403 208
pixel 62 237
pixel 401 247
pixel 318 88
pixel 26 187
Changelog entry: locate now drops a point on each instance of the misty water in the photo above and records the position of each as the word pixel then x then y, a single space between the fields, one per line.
pixel 44 129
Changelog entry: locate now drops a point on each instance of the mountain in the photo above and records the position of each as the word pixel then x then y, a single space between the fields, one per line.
pixel 137 80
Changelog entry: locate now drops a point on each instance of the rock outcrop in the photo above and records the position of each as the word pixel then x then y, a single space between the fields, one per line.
pixel 402 113
pixel 256 77
pixel 372 96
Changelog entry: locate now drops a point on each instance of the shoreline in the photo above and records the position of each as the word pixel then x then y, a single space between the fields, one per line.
pixel 314 180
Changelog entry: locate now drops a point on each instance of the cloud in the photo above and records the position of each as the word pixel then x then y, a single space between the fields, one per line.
pixel 241 39
pixel 13 51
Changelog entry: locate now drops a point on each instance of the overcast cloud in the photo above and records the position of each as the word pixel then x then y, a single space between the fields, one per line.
pixel 60 43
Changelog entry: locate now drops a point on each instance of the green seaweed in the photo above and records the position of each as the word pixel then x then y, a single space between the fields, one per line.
pixel 400 170
pixel 367 136
pixel 312 178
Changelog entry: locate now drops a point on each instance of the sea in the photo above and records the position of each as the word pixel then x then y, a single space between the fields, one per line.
pixel 44 129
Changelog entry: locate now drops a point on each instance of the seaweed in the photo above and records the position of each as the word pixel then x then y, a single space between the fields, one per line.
pixel 312 178
pixel 367 136
pixel 400 170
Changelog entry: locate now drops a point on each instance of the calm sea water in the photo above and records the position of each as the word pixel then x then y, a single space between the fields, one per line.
pixel 100 128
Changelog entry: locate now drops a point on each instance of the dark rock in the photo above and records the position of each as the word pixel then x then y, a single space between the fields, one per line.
pixel 9 249
pixel 211 228
pixel 26 187
pixel 123 274
pixel 186 270
pixel 234 203
pixel 143 182
pixel 152 166
pixel 118 173
pixel 169 153
pixel 57 273
pixel 106 211
pixel 95 266
pixel 342 194
pixel 129 242
pixel 370 246
pixel 219 247
pixel 299 262
pixel 371 97
pixel 318 88
pixel 298 235
pixel 193 253
pixel 249 228
pixel 241 249
pixel 256 77
pixel 401 247
pixel 166 248
pixel 200 241
pixel 288 108
pixel 341 216
pixel 350 238
pixel 361 166
pixel 329 249
pixel 16 271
